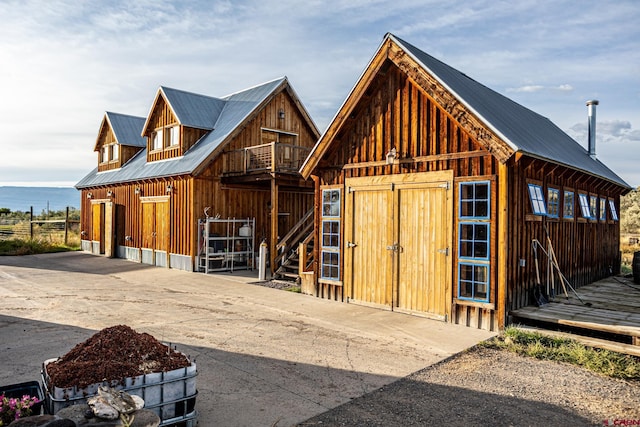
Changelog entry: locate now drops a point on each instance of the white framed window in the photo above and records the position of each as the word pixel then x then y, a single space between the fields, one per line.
pixel 105 153
pixel 115 152
pixel 158 143
pixel 174 136
pixel 584 206
pixel 537 199
pixel 612 210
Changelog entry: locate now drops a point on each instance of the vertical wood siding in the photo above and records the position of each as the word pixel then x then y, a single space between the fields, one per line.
pixel 587 251
pixel 395 113
pixel 190 196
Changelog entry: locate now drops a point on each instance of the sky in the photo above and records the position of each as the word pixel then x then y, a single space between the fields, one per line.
pixel 63 63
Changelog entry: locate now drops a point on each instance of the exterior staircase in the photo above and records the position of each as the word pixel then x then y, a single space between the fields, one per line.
pixel 295 250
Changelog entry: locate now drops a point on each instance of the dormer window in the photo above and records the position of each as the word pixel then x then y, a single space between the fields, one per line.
pixel 157 140
pixel 174 136
pixel 109 153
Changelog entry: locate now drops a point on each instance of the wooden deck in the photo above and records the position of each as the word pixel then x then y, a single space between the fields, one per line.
pixel 609 314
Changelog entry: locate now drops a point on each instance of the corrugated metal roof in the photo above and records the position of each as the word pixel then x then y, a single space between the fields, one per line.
pixel 236 108
pixel 192 109
pixel 127 129
pixel 524 130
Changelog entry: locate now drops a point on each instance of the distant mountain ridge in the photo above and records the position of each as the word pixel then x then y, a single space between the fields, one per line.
pixel 41 198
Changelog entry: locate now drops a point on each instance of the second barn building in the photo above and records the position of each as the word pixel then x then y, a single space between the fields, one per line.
pixel 431 188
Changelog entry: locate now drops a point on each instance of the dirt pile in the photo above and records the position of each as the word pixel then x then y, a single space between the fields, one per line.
pixel 113 354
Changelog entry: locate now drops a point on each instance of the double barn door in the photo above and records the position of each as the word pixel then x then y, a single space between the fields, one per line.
pixel 155 231
pixel 398 235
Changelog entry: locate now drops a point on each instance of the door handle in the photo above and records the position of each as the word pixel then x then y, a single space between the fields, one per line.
pixel 395 247
pixel 351 245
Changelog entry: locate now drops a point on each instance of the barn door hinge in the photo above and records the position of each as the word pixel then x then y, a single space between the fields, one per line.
pixel 444 251
pixel 444 185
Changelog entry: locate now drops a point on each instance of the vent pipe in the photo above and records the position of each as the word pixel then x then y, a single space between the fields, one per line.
pixel 591 133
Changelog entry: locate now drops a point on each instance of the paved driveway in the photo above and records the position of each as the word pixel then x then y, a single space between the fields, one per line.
pixel 265 357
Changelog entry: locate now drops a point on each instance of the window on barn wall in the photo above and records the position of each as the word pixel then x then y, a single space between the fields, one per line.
pixel 174 136
pixel 553 202
pixel 105 153
pixel 612 209
pixel 568 206
pixel 593 207
pixel 330 243
pixel 537 199
pixel 115 152
pixel 602 209
pixel 474 240
pixel 585 211
pixel 157 140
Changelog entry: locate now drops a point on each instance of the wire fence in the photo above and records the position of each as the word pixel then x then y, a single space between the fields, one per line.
pixel 55 230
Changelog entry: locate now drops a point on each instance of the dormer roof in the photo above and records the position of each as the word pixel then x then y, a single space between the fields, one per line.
pixel 126 129
pixel 191 109
pixel 231 114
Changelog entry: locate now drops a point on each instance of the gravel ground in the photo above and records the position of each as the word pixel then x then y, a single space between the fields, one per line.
pixel 488 387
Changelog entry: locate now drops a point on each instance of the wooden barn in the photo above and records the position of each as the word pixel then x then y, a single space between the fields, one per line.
pixel 431 190
pixel 183 186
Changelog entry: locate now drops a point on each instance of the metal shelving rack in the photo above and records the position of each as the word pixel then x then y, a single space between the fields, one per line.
pixel 226 244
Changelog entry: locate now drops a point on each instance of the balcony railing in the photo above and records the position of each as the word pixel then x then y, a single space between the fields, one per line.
pixel 271 157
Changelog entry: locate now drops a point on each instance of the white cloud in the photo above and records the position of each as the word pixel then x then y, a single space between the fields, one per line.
pixel 65 62
pixel 526 88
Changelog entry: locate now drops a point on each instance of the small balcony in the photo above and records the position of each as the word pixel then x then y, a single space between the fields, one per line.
pixel 273 157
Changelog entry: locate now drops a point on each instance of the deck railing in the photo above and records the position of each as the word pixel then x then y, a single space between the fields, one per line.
pixel 271 157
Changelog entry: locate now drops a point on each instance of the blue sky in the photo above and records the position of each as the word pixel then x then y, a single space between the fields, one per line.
pixel 63 63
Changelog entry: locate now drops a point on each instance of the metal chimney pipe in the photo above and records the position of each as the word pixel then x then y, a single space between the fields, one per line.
pixel 592 127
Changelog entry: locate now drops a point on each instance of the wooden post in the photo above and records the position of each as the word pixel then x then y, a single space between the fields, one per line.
pixel 274 226
pixel 31 224
pixel 66 226
pixel 503 243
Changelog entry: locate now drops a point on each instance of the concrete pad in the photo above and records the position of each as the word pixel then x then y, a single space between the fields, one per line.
pixel 265 357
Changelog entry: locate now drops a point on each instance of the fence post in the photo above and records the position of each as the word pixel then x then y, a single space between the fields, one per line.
pixel 66 226
pixel 31 224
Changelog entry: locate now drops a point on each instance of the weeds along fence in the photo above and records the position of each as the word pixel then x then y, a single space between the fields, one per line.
pixel 56 230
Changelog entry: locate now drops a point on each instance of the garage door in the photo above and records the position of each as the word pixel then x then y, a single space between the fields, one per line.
pixel 398 236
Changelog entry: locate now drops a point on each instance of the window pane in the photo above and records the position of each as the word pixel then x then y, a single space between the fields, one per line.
pixel 568 204
pixel 614 212
pixel 482 209
pixel 480 250
pixel 482 191
pixel 537 200
pixel 593 207
pixel 480 232
pixel 466 231
pixel 466 209
pixel 331 202
pixel 603 209
pixel 474 200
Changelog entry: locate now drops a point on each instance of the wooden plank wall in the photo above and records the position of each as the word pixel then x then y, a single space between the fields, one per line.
pixel 269 118
pixel 181 214
pixel 396 113
pixel 587 251
pixel 189 196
